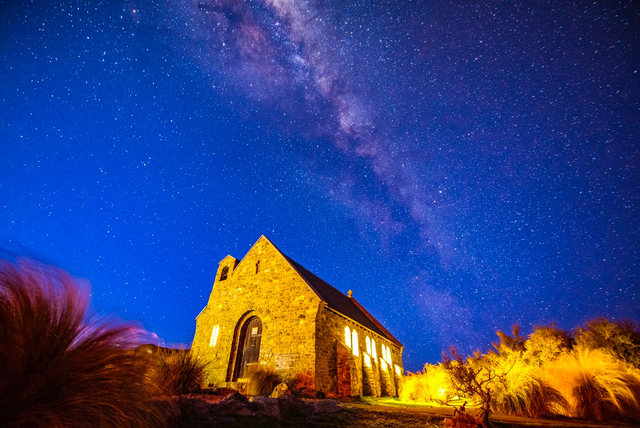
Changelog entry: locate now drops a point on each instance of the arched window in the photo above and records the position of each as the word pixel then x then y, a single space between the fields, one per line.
pixel 214 336
pixel 347 336
pixel 387 354
pixel 354 343
pixel 224 273
pixel 368 345
pixel 374 353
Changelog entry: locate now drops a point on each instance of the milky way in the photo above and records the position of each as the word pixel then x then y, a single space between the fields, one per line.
pixel 461 167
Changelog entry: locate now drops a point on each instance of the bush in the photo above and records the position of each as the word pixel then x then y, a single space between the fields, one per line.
pixel 261 380
pixel 596 385
pixel 519 389
pixel 620 338
pixel 176 372
pixel 58 368
pixel 547 343
pixel 430 384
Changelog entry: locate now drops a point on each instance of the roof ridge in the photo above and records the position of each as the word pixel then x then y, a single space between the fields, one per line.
pixel 376 322
pixel 328 296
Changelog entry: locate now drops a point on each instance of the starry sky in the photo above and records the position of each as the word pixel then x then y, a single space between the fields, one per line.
pixel 461 166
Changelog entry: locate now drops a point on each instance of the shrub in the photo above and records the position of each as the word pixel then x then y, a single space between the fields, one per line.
pixel 60 368
pixel 620 338
pixel 596 385
pixel 519 389
pixel 547 343
pixel 472 379
pixel 430 384
pixel 175 372
pixel 261 379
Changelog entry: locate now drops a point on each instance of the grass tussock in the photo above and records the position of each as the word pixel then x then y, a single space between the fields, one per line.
pixel 175 372
pixel 596 385
pixel 261 380
pixel 519 389
pixel 430 384
pixel 57 367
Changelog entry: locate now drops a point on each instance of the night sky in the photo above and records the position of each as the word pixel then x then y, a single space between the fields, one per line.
pixel 462 167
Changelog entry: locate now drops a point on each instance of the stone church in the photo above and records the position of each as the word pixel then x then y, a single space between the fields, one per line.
pixel 267 309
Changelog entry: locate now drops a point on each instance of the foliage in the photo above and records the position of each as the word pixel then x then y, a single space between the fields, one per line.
pixel 596 384
pixel 621 339
pixel 546 344
pixel 471 379
pixel 430 384
pixel 261 379
pixel 508 343
pixel 175 372
pixel 58 368
pixel 519 388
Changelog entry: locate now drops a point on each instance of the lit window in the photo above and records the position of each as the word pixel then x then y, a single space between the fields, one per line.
pixel 386 353
pixel 383 365
pixel 354 343
pixel 347 336
pixel 374 353
pixel 214 336
pixel 367 360
pixel 398 371
pixel 368 345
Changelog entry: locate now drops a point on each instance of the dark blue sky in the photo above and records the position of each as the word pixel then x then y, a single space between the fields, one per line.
pixel 460 166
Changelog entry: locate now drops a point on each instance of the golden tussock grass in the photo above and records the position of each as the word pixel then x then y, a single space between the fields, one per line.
pixel 596 385
pixel 175 372
pixel 430 384
pixel 261 379
pixel 520 389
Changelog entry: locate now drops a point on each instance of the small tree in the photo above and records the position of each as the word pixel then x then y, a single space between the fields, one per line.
pixel 546 344
pixel 620 338
pixel 471 379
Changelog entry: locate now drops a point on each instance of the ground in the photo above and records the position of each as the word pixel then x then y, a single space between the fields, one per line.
pixel 389 413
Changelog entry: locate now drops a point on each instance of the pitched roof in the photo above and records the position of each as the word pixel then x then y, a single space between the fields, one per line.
pixel 336 300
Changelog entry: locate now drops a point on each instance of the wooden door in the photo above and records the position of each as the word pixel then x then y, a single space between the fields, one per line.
pixel 249 345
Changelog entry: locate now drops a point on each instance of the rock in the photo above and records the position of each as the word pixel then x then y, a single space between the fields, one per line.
pixel 266 406
pixel 223 391
pixel 193 408
pixel 291 406
pixel 315 407
pixel 233 404
pixel 168 406
pixel 280 391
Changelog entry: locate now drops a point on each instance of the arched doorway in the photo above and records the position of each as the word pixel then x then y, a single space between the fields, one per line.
pixel 248 346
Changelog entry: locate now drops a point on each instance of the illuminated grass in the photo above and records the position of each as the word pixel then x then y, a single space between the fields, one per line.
pixel 596 385
pixel 426 386
pixel 519 389
pixel 175 372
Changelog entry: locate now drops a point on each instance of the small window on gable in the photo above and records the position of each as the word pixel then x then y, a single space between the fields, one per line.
pixel 354 343
pixel 347 336
pixel 214 336
pixel 224 273
pixel 257 266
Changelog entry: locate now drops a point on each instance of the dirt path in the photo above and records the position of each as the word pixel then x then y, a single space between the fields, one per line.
pixel 505 420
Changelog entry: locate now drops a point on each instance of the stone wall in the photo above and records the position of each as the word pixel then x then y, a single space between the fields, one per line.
pixel 330 333
pixel 276 294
